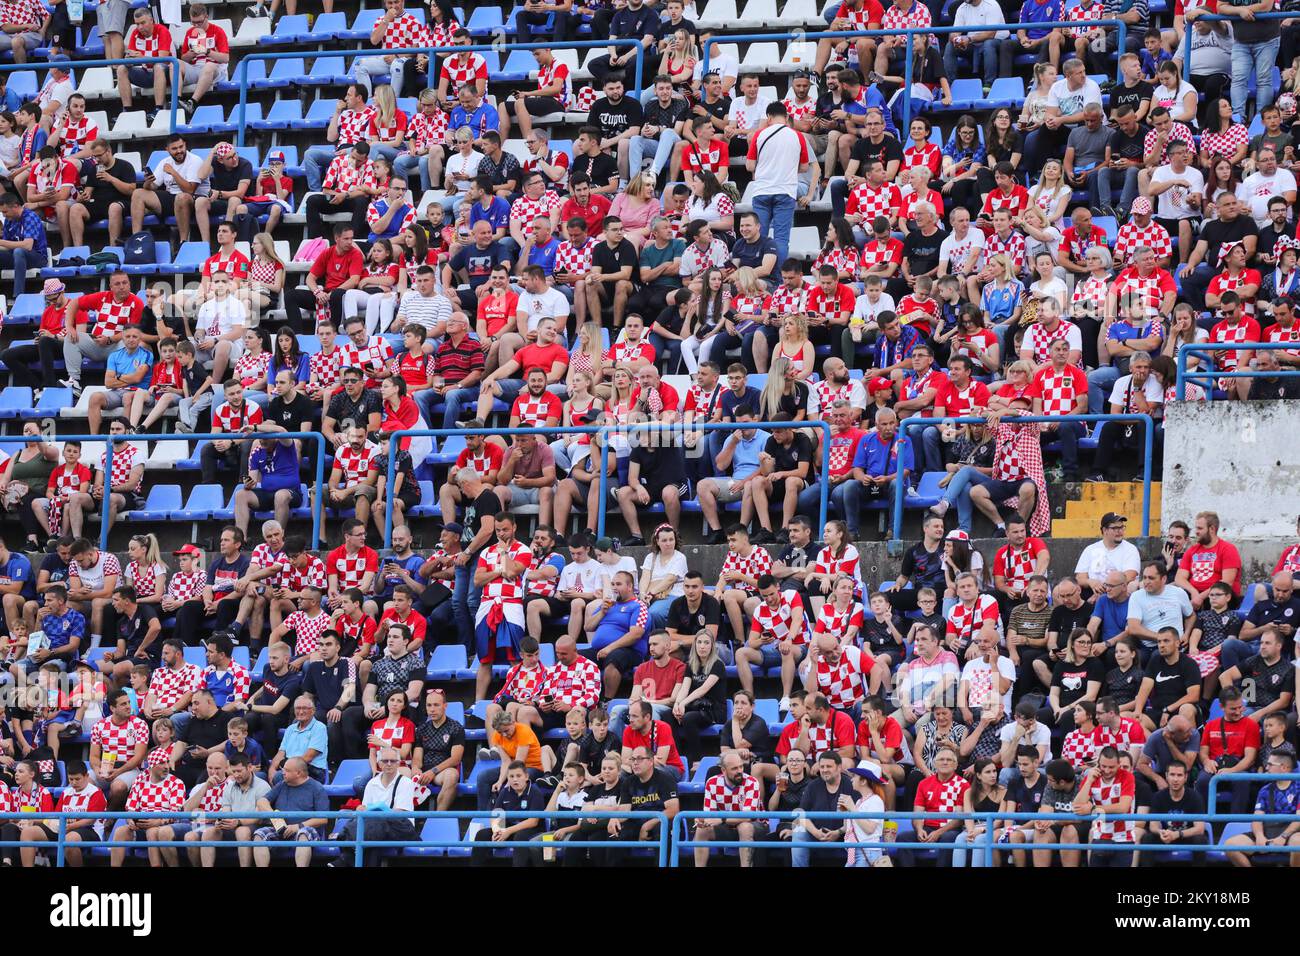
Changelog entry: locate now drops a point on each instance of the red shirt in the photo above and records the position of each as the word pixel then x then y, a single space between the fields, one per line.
pixel 1058 390
pixel 663 734
pixel 954 402
pixel 891 735
pixel 540 356
pixel 414 621
pixel 657 682
pixel 1223 737
pixel 337 269
pixel 937 796
pixel 1205 566
pixel 596 209
pixel 839 303
pixel 494 311
pixel 405 415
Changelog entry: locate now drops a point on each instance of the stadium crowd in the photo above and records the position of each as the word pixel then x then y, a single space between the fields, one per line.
pixel 1049 261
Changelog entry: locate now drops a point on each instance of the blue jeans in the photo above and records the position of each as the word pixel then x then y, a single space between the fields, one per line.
pixel 839 190
pixel 1100 382
pixel 465 599
pixel 810 504
pixel 659 611
pixel 20 260
pixel 983 55
pixel 925 439
pixel 957 494
pixel 1099 193
pixel 1235 650
pixel 662 148
pixel 407 165
pixel 1128 188
pixel 181 720
pixel 314 164
pixel 1260 57
pixel 457 400
pixel 800 849
pixel 976 845
pixel 618 718
pixel 777 212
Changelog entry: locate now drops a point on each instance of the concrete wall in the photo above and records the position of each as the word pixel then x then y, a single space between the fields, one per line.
pixel 1241 460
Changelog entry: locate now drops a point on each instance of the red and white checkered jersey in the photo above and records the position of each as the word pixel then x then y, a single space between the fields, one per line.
pixel 876 253
pixel 825 393
pixel 848 561
pixel 110 315
pixel 325 367
pixel 211 39
pixel 869 202
pixel 485 460
pixel 523 684
pixel 462 68
pixel 1225 143
pixel 1129 734
pixel 844 682
pixel 230 419
pixel 425 131
pixel 697 158
pixel 965 622
pixel 314 575
pixel 16 801
pixel 395 734
pixel 168 685
pixel 243 680
pixel 534 410
pixel 1149 288
pixel 1013 247
pixel 119 740
pixel 577 686
pixel 721 797
pixel 187 586
pixel 344 175
pixel 1017 564
pixel 264 557
pixel 1247 330
pixel 406 33
pixel 778 620
pixel 844 447
pixel 1081 13
pixel 1039 339
pixel 556 71
pixel 799 111
pixel 64 481
pixel 307 631
pixel 525 210
pixel 896 19
pixel 1091 293
pixel 1105 797
pixel 700 401
pixel 249 368
pixel 759 562
pixel 356 632
pixel 158 43
pixel 1080 748
pixel 831 620
pixel 502 589
pixel 125 458
pixel 353 125
pixel 144 578
pixel 574 260
pixel 786 301
pixel 76 135
pixel 372 358
pixel 354 465
pixel 351 568
pixel 1058 390
pixel 211 802
pixel 90 800
pixel 1178 132
pixel 940 796
pixel 835 733
pixel 1224 282
pixel 927 154
pixel 149 797
pixel 844 261
pixel 1131 235
pixel 1276 333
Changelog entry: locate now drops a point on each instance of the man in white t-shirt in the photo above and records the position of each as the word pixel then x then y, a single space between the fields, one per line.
pixel 724 64
pixel 219 327
pixel 959 254
pixel 983 696
pixel 747 112
pixel 777 155
pixel 1179 191
pixel 1268 180
pixel 1026 730
pixel 1111 553
pixel 161 193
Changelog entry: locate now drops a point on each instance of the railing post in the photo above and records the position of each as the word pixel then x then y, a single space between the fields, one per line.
pixel 1180 388
pixel 1148 454
pixel 107 506
pixel 665 838
pixel 388 489
pixel 60 852
pixel 640 70
pixel 243 104
pixel 359 847
pixel 603 478
pixel 1187 55
pixel 907 80
pixel 826 467
pixel 988 840
pixel 318 500
pixel 1121 44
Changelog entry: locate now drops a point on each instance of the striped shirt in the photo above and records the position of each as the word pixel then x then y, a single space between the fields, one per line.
pixel 454 362
pixel 426 311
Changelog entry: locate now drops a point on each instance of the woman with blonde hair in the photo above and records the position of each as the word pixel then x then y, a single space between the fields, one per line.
pixel 145 571
pixel 1051 193
pixel 784 392
pixel 588 354
pixel 637 206
pixel 678 62
pixel 582 408
pixel 387 132
pixel 265 277
pixel 793 345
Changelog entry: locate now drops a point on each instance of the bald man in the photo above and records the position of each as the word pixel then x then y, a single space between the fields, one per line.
pixel 296 792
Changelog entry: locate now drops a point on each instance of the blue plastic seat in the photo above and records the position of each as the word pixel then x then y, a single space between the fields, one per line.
pixel 928 491
pixel 319 114
pixel 363 24
pixel 53 401
pixel 436 830
pixel 326 71
pixel 341 784
pixel 966 94
pixel 204 120
pixel 283 115
pixel 26 309
pixel 518 66
pixel 328 26
pixel 61 271
pixel 703 770
pixel 286 73
pixel 13 400
pixel 24 83
pixel 198 656
pixel 446 661
pixel 448 452
pixel 289 29
pixel 428 506
pixel 484 20
pixel 162 255
pixel 1006 91
pixel 161 502
pixel 114 251
pixel 189 258
pixel 202 502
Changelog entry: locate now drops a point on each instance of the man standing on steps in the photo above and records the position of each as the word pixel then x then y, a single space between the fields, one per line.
pixel 777 155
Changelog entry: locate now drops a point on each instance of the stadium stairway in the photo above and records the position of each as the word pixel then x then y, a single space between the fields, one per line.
pixel 1082 514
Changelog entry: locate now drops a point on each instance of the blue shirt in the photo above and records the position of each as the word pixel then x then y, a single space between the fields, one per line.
pixel 480 120
pixel 497 214
pixel 874 99
pixel 123 361
pixel 544 256
pixel 744 461
pixel 222 685
pixel 301 372
pixel 1113 615
pixel 394 224
pixel 620 619
pixel 411 564
pixel 28 225
pixel 19 569
pixel 1033 12
pixel 889 353
pixel 63 628
pixel 308 797
pixel 297 742
pixel 728 400
pixel 12 101
pixel 279 469
pixel 877 458
pixel 256 755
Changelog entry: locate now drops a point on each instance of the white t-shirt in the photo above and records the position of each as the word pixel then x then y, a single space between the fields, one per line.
pixel 607 571
pixel 978 675
pixel 1053 288
pixel 956 251
pixel 1172 100
pixel 1172 203
pixel 464 164
pixel 1042 737
pixel 1258 189
pixel 778 151
pixel 748 115
pixel 227 313
pixel 188 168
pixel 1151 390
pixel 867 310
pixel 724 64
pixel 865 831
pixel 1073 101
pixel 585 577
pixel 969 15
pixel 658 568
pixel 56 92
pixel 1097 560
pixel 550 304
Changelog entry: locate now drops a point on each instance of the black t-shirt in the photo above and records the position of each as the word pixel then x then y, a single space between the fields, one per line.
pixel 922 251
pixel 887 150
pixel 134 628
pixel 923 568
pixel 614 118
pixel 792 403
pixel 648 795
pixel 1173 681
pixel 290 415
pixel 437 742
pixel 478 263
pixel 1072 679
pixel 652 114
pixel 205 733
pixel 1134 96
pixel 756 732
pixel 592 751
pixel 685 621
pixel 667 28
pixel 55 567
pixel 600 168
pixel 606 260
pixel 717 694
pixel 1027 799
pixel 719 108
pixel 800 559
pixel 325 682
pixel 820 800
pixel 1003 154
pixel 275 686
pixel 660 467
pixel 877 637
pixel 1123 685
pixel 1123 146
pixel 1270 680
pixel 102 192
pixel 1163 805
pixel 487 503
pixel 1216 232
pixel 227 179
pixel 789 456
pixel 1064 621
pixel 346 412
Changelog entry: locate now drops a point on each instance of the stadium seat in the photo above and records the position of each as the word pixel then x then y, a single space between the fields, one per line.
pixel 446 661
pixel 14 400
pixel 288 29
pixel 703 770
pixel 341 783
pixel 202 502
pixel 160 503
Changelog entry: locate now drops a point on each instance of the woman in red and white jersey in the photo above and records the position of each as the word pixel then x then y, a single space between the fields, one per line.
pixel 837 557
pixel 842 615
pixel 394 729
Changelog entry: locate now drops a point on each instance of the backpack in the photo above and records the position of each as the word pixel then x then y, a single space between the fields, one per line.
pixel 139 250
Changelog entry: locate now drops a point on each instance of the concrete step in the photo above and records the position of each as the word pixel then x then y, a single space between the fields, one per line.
pixel 1093 510
pixel 1087 527
pixel 1111 491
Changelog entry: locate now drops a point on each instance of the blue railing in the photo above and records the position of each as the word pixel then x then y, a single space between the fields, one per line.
pixel 111 440
pixel 1190 25
pixel 358 844
pixel 1120 25
pixel 127 62
pixel 431 52
pixel 1212 792
pixel 909 424
pixel 601 433
pixel 1202 350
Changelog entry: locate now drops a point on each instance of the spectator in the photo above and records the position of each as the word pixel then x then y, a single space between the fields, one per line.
pixel 160 791
pixel 821 798
pixel 338 270
pixel 1209 561
pixel 776 179
pixel 1111 553
pixel 389 790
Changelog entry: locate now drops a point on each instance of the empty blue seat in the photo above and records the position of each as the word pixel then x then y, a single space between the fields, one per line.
pixel 13 400
pixel 363 24
pixel 198 656
pixel 484 20
pixel 286 73
pixel 26 309
pixel 204 120
pixel 518 66
pixel 53 401
pixel 449 450
pixel 256 76
pixel 1006 91
pixel 966 94
pixel 289 29
pixel 928 491
pixel 189 258
pixel 436 830
pixel 703 770
pixel 446 661
pixel 341 785
pixel 319 114
pixel 24 83
pixel 428 506
pixel 328 26
pixel 162 501
pixel 202 502
pixel 283 115
pixel 326 71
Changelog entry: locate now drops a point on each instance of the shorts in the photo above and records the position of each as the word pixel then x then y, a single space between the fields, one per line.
pixel 726 833
pixel 998 490
pixel 409 496
pixel 127 778
pixel 142 76
pixel 554 606
pixel 724 493
pixel 1171 225
pixel 781 484
pixel 269 834
pixel 523 496
pixel 206 356
pixel 130 500
pixel 266 499
pixel 116 397
pixel 85 834
pixel 98 212
pixel 624 659
pixel 771 654
pixel 542 105
pixel 190 72
pixel 656 490
pixel 112 16
pixel 30 41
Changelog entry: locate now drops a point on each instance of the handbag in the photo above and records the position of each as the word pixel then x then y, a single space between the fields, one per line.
pixel 15 492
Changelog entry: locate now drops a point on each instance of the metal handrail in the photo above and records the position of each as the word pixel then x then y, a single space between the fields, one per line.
pixel 1147 452
pixel 1200 349
pixel 431 52
pixel 112 440
pixel 1213 789
pixel 1189 25
pixel 599 432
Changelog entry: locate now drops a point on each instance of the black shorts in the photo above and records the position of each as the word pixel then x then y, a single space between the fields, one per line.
pixel 131 501
pixel 542 105
pixel 142 76
pixel 85 834
pixel 266 499
pixel 726 833
pixel 98 211
pixel 168 203
pixel 409 496
pixel 656 490
pixel 1171 225
pixel 554 606
pixel 624 659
